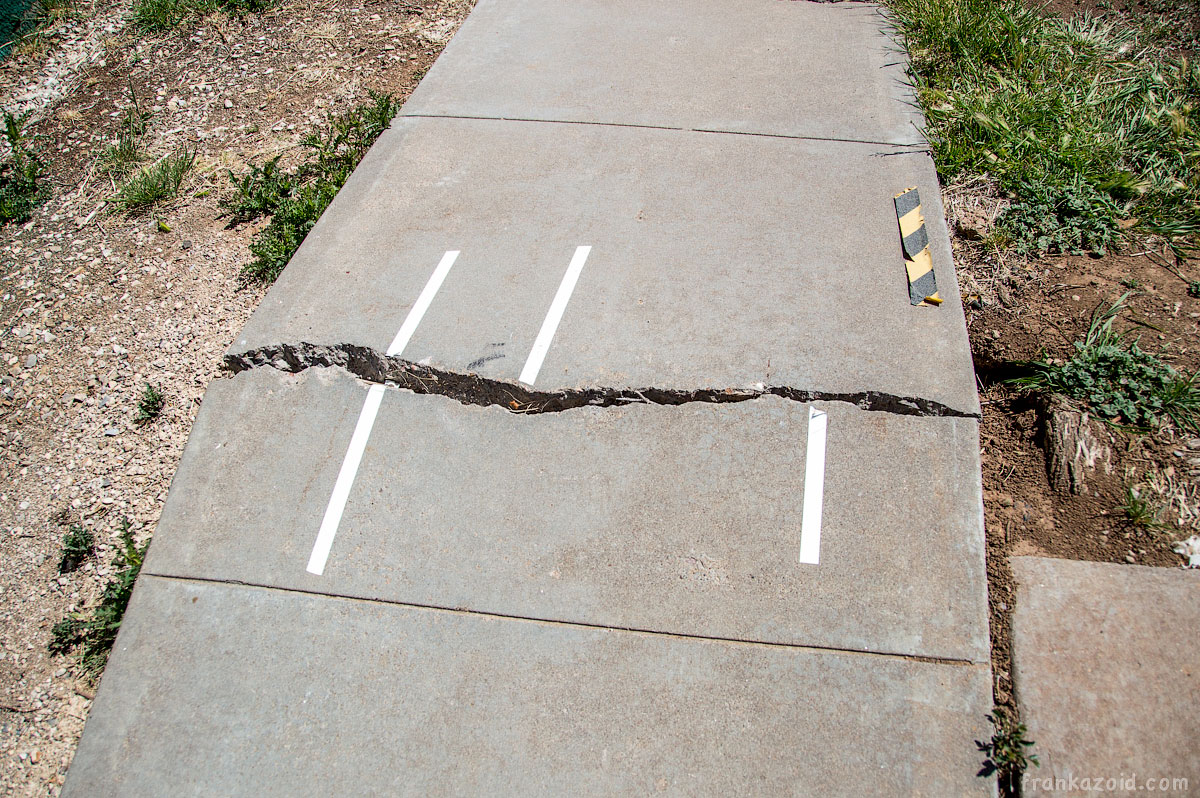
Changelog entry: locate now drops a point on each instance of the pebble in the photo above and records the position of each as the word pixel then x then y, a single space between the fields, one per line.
pixel 229 103
pixel 31 361
pixel 112 432
pixel 186 245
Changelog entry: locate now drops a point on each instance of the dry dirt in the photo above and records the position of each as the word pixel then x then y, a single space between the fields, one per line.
pixel 95 305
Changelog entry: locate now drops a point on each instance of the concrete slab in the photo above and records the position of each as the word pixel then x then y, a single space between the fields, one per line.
pixel 360 698
pixel 1107 675
pixel 717 261
pixel 791 69
pixel 678 519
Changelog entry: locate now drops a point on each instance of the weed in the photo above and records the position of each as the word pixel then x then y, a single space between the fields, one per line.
pixel 297 199
pixel 259 192
pixel 77 545
pixel 21 173
pixel 125 154
pixel 1193 289
pixel 1073 118
pixel 1007 753
pixel 1118 381
pixel 156 183
pixel 150 404
pixel 93 633
pixel 1069 218
pixel 1132 283
pixel 160 15
pixel 1138 510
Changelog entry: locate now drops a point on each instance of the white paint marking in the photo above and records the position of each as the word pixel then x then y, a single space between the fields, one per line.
pixel 542 345
pixel 814 487
pixel 341 488
pixel 418 310
pixel 366 420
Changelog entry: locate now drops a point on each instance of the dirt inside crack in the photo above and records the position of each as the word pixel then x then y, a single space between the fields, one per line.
pixel 374 366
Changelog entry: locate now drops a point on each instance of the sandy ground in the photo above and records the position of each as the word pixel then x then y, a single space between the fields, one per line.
pixel 94 305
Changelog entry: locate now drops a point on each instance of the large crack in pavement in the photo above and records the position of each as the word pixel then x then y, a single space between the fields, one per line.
pixel 374 366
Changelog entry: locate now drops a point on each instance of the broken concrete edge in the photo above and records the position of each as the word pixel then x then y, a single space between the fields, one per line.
pixel 373 366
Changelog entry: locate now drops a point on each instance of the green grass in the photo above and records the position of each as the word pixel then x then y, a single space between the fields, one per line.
pixel 1138 510
pixel 77 545
pixel 150 405
pixel 162 15
pixel 1076 121
pixel 22 173
pixel 91 634
pixel 156 183
pixel 295 200
pixel 126 154
pixel 1117 381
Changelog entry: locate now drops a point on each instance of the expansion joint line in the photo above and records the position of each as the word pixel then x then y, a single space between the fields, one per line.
pixel 381 368
pixel 582 625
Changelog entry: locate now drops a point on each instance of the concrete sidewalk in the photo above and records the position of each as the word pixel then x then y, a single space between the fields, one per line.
pixel 706 520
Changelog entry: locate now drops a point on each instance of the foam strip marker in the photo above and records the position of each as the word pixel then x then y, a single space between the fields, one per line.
pixel 914 244
pixel 814 487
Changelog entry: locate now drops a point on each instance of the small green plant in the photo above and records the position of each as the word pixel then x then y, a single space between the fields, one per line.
pixel 124 155
pixel 150 405
pixel 1194 289
pixel 1118 381
pixel 1071 218
pixel 297 199
pixel 1007 753
pixel 93 633
pixel 77 545
pixel 21 186
pixel 156 183
pixel 1138 510
pixel 259 192
pixel 1132 283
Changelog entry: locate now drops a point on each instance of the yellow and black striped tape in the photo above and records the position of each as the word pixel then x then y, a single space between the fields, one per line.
pixel 922 285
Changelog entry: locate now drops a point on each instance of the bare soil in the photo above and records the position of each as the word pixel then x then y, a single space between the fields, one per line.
pixel 94 305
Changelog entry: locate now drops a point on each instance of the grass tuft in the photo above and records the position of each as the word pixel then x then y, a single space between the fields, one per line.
pixel 21 173
pixel 77 545
pixel 123 156
pixel 1078 123
pixel 296 200
pixel 1139 510
pixel 156 183
pixel 1119 382
pixel 93 633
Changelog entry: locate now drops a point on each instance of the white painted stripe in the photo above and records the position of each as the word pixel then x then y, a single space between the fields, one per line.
pixel 814 487
pixel 366 420
pixel 418 310
pixel 341 488
pixel 542 345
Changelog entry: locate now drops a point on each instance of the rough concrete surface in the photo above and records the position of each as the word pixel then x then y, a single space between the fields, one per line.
pixel 284 694
pixel 717 261
pixel 676 519
pixel 817 70
pixel 1107 674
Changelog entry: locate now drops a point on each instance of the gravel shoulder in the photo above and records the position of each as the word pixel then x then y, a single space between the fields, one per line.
pixel 95 305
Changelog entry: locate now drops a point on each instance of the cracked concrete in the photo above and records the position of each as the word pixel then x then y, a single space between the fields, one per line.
pixel 372 365
pixel 622 598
